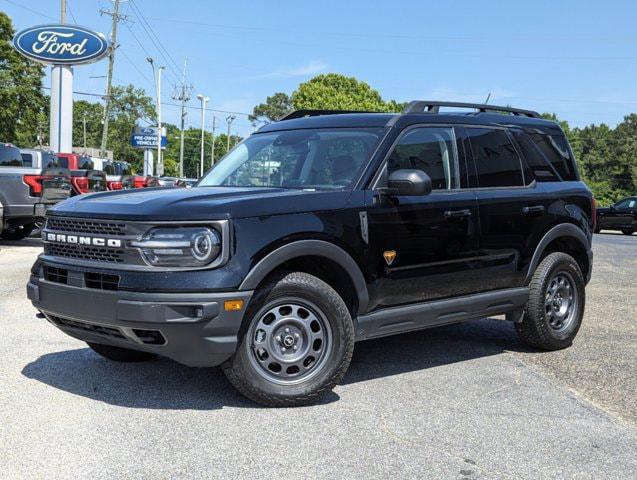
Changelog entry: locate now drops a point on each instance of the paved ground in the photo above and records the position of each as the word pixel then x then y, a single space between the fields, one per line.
pixel 460 402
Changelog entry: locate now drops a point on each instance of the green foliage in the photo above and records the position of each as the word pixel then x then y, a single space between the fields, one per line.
pixel 23 103
pixel 192 149
pixel 333 91
pixel 275 107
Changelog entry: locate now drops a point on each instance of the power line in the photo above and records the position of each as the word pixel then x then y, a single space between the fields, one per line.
pixel 171 64
pixel 68 6
pixel 30 10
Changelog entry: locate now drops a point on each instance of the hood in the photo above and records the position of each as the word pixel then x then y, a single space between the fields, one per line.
pixel 199 203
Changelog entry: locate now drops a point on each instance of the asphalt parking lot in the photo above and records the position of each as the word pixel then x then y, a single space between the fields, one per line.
pixel 461 402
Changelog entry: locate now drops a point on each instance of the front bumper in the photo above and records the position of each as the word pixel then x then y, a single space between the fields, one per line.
pixel 193 329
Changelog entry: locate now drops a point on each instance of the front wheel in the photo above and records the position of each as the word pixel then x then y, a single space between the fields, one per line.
pixel 297 343
pixel 555 308
pixel 627 232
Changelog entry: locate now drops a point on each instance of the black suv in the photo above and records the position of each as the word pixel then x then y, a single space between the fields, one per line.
pixel 323 229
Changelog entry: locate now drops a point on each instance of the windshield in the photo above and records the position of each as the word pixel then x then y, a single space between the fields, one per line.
pixel 308 159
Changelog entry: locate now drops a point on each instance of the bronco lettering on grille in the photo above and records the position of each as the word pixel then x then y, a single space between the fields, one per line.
pixel 84 240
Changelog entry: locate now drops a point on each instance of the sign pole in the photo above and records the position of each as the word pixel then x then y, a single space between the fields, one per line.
pixel 148 162
pixel 61 117
pixel 61 121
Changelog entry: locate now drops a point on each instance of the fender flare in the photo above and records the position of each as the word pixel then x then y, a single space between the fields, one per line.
pixel 301 248
pixel 561 230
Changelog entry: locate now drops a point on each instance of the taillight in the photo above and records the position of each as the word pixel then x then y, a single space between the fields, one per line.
pixel 594 212
pixel 114 185
pixel 35 184
pixel 80 184
pixel 140 182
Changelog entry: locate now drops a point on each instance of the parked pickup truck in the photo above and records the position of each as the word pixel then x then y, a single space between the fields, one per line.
pixel 115 172
pixel 29 184
pixel 84 177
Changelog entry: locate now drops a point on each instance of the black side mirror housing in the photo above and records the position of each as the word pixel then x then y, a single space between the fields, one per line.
pixel 409 182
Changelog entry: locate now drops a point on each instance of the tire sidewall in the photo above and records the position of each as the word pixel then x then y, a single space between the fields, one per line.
pixel 564 264
pixel 333 313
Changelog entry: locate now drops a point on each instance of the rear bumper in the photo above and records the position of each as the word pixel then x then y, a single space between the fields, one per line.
pixel 193 329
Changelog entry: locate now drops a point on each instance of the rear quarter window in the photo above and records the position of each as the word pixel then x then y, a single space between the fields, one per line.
pixel 541 169
pixel 556 151
pixel 27 159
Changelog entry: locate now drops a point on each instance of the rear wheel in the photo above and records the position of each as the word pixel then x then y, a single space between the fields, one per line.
pixel 627 232
pixel 297 344
pixel 118 354
pixel 556 304
pixel 18 232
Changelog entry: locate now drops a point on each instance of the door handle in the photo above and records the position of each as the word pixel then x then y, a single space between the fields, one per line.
pixel 533 210
pixel 457 213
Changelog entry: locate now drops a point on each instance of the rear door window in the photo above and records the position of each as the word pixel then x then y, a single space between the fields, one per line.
pixel 497 162
pixel 556 150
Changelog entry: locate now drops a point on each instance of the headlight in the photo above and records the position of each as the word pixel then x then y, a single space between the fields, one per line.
pixel 180 246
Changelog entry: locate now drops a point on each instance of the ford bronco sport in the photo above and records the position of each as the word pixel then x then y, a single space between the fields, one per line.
pixel 323 229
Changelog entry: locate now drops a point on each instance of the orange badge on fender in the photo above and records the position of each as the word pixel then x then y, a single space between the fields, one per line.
pixel 389 256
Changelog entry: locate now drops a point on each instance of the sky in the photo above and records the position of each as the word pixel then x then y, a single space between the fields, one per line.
pixel 577 59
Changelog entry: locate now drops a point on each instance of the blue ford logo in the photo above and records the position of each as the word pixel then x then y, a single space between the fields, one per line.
pixel 61 44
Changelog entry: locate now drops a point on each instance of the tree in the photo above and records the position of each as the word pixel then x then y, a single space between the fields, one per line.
pixel 275 107
pixel 21 95
pixel 333 91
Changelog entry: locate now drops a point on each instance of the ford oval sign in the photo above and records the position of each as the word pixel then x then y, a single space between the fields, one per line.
pixel 61 44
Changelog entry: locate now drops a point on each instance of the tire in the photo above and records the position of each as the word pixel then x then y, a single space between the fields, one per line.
pixel 552 320
pixel 118 354
pixel 310 336
pixel 627 232
pixel 18 233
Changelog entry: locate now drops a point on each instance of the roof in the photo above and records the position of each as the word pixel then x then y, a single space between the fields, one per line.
pixel 401 120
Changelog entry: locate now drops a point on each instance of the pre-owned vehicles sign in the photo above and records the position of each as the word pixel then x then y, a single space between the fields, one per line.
pixel 146 137
pixel 61 44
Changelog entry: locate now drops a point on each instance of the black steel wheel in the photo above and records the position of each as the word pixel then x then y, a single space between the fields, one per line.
pixel 555 308
pixel 296 344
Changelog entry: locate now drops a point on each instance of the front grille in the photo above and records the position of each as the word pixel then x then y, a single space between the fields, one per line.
pixel 88 327
pixel 84 252
pixel 86 226
pixel 56 275
pixel 101 281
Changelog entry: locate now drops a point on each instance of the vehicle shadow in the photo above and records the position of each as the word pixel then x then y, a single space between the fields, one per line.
pixel 25 242
pixel 431 348
pixel 164 384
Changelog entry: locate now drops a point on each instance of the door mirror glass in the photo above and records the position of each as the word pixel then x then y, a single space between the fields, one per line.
pixel 410 182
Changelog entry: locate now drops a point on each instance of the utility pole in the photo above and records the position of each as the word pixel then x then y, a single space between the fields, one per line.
pixel 109 79
pixel 63 11
pixel 212 148
pixel 84 128
pixel 203 99
pixel 160 163
pixel 182 96
pixel 229 120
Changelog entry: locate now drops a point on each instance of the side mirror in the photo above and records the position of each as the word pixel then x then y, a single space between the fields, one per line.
pixel 409 182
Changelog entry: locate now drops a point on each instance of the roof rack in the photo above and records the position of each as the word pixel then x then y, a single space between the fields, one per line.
pixel 420 106
pixel 316 113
